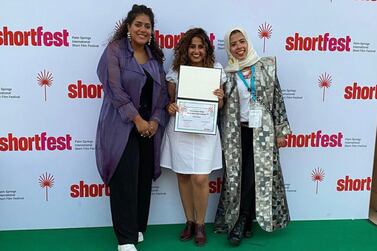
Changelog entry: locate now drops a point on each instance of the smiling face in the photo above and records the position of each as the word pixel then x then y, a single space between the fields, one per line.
pixel 238 45
pixel 197 52
pixel 140 30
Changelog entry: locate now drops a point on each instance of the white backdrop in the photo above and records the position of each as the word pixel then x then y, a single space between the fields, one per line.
pixel 50 98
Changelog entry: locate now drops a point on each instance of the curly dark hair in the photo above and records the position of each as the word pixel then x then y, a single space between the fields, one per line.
pixel 181 50
pixel 121 32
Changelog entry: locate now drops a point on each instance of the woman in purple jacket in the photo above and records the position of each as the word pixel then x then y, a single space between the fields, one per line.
pixel 131 123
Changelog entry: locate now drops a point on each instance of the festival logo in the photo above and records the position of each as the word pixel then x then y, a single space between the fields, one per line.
pixel 363 92
pixel 42 38
pixel 320 139
pixel 322 42
pixel 324 82
pixel 264 32
pixel 327 42
pixel 37 142
pixel 33 37
pixel 170 41
pixel 80 90
pixel 318 176
pixel 314 139
pixel 45 79
pixel 348 184
pixel 46 181
pixel 83 190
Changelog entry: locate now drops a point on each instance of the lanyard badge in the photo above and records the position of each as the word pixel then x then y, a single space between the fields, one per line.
pixel 255 109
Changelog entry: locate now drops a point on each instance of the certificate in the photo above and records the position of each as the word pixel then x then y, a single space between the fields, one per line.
pixel 196 116
pixel 197 104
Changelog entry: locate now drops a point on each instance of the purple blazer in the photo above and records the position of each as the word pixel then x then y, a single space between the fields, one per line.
pixel 123 79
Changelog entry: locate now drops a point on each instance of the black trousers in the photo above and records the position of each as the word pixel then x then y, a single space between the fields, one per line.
pixel 247 207
pixel 130 189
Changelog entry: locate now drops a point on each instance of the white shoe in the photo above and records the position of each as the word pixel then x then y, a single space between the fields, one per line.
pixel 141 237
pixel 127 247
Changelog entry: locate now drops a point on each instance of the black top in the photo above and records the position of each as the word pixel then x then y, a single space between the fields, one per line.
pixel 146 96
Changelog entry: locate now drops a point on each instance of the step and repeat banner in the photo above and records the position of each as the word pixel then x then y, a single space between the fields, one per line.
pixel 50 98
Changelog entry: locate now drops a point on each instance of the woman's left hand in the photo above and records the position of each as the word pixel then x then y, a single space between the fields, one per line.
pixel 219 93
pixel 153 126
pixel 280 141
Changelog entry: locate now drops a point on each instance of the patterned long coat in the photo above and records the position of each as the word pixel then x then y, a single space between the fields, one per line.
pixel 271 204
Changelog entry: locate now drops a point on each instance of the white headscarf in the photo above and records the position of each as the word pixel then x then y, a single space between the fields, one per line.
pixel 233 63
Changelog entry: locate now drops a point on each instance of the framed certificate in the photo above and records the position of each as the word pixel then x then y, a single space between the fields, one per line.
pixel 196 116
pixel 198 106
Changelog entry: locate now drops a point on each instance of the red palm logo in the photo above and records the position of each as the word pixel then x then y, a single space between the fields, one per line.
pixel 264 32
pixel 324 81
pixel 317 176
pixel 45 80
pixel 46 181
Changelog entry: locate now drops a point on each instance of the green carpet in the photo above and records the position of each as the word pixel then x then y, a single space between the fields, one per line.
pixel 340 235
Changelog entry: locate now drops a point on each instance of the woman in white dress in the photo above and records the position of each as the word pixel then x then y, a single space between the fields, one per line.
pixel 192 156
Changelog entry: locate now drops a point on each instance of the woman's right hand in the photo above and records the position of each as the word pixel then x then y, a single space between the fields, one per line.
pixel 172 109
pixel 142 126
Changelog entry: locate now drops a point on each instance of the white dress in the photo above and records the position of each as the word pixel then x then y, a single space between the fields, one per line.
pixel 190 153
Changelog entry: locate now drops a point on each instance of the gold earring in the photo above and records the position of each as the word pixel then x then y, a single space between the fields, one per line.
pixel 129 36
pixel 150 40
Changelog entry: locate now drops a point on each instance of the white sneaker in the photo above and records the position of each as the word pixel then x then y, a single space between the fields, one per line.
pixel 127 247
pixel 141 237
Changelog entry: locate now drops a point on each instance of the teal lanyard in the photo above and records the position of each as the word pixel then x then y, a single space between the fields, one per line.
pixel 250 88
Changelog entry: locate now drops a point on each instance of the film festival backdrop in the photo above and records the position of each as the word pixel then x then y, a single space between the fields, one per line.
pixel 50 98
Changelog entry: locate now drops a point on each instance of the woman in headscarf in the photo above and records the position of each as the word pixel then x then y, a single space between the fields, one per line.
pixel 253 126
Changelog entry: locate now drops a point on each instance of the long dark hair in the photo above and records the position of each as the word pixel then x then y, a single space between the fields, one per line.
pixel 121 32
pixel 181 50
